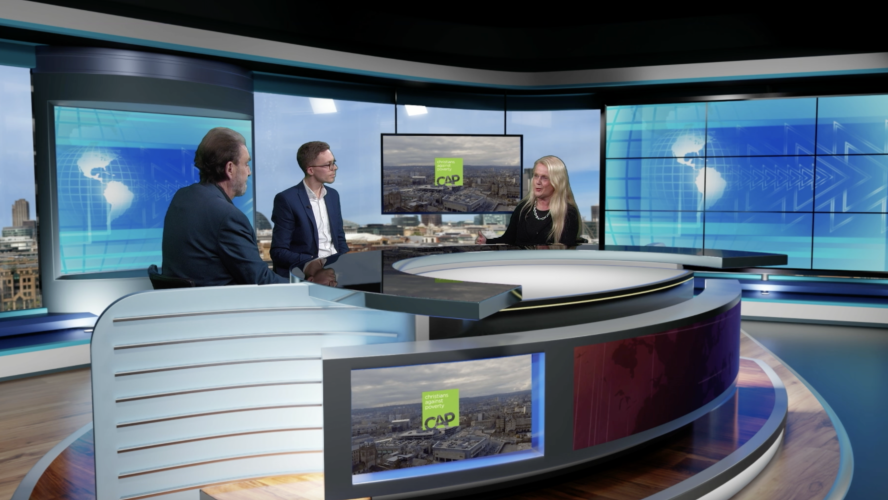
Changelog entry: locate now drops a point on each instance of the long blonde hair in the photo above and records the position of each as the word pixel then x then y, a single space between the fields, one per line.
pixel 562 199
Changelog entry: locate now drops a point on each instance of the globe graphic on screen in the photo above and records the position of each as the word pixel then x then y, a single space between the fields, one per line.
pixel 97 182
pixel 681 175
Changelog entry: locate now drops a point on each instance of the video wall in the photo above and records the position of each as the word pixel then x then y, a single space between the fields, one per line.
pixel 806 176
pixel 410 421
pixel 116 173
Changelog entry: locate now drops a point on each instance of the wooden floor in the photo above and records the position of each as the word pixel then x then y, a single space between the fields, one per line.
pixel 804 469
pixel 808 462
pixel 35 414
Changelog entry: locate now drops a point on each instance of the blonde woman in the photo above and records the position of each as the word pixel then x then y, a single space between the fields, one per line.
pixel 548 214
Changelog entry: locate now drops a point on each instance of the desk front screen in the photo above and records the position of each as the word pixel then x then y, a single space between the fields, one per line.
pixel 411 421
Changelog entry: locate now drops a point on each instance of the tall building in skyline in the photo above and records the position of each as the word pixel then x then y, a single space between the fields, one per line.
pixel 594 226
pixel 434 219
pixel 405 220
pixel 21 211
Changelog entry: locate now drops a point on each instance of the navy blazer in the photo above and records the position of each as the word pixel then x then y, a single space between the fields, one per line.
pixel 294 240
pixel 209 240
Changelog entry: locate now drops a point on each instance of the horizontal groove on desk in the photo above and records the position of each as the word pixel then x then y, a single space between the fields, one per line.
pixel 218 436
pixel 220 363
pixel 187 488
pixel 218 460
pixel 218 412
pixel 218 312
pixel 253 336
pixel 212 389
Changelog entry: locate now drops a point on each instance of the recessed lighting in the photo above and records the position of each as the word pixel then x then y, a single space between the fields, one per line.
pixel 322 106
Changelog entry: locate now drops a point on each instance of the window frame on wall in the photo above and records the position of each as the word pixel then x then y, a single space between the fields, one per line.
pixel 23 278
pixel 399 97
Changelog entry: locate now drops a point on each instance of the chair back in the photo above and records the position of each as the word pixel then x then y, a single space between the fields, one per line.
pixel 161 282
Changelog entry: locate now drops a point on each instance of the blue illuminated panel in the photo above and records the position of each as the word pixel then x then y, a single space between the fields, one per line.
pixel 673 184
pixel 852 125
pixel 761 128
pixel 786 233
pixel 658 131
pixel 806 177
pixel 852 183
pixel 116 173
pixel 381 396
pixel 850 242
pixel 665 229
pixel 760 183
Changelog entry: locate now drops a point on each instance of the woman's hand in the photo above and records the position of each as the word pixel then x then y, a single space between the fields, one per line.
pixel 480 240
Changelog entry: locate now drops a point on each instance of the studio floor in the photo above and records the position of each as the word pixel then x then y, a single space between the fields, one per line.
pixel 848 366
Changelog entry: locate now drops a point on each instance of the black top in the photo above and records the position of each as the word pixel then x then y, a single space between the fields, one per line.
pixel 208 240
pixel 526 229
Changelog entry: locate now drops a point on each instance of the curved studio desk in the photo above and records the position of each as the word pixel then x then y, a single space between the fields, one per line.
pixel 196 387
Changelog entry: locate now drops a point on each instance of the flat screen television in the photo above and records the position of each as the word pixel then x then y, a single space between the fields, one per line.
pixel 451 174
pixel 412 421
pixel 116 172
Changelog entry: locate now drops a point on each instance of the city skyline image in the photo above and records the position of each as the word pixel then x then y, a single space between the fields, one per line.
pixel 410 150
pixel 416 174
pixel 421 415
pixel 379 387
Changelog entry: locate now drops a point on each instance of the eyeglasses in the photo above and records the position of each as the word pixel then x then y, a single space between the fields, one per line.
pixel 329 165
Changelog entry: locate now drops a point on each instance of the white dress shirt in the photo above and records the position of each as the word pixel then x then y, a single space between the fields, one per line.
pixel 319 209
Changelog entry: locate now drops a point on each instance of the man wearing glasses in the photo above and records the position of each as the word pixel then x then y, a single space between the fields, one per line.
pixel 307 219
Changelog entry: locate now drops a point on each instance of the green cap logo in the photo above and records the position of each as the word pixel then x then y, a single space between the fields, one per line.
pixel 448 171
pixel 440 409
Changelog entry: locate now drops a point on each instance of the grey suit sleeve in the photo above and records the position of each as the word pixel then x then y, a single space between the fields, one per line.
pixel 240 254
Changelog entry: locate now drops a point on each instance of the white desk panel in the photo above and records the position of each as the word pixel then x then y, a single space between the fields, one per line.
pixel 541 281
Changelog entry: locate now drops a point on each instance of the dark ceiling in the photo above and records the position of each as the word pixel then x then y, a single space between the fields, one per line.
pixel 508 37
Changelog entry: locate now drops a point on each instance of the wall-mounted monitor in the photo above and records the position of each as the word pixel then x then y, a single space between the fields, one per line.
pixel 116 172
pixel 412 421
pixel 451 174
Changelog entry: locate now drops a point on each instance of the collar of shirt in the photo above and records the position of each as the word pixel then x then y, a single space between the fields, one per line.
pixel 311 194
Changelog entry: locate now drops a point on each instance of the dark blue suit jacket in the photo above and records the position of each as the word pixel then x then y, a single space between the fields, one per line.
pixel 295 237
pixel 209 240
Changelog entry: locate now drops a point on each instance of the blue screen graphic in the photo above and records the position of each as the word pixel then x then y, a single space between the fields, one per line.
pixel 659 131
pixel 761 128
pixel 746 175
pixel 762 232
pixel 852 125
pixel 852 183
pixel 850 241
pixel 658 229
pixel 655 184
pixel 116 174
pixel 760 183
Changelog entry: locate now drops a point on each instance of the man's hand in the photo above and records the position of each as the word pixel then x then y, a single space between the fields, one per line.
pixel 326 277
pixel 480 240
pixel 312 268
